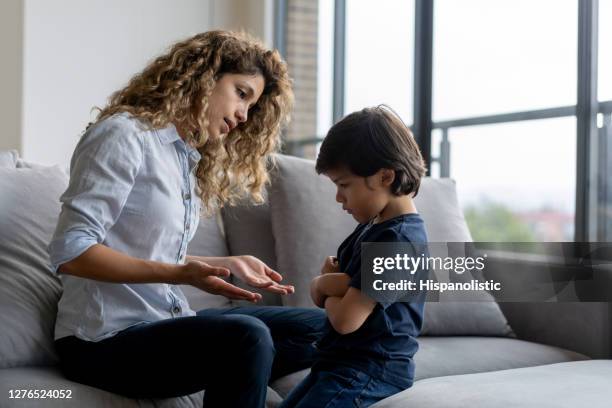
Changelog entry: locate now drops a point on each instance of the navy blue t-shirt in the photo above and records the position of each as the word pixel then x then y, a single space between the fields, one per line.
pixel 385 344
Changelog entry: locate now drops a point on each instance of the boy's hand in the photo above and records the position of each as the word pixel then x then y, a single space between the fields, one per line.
pixel 318 298
pixel 330 265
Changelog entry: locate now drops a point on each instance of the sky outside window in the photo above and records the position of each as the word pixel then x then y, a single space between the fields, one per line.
pixel 605 51
pixel 503 56
pixel 379 55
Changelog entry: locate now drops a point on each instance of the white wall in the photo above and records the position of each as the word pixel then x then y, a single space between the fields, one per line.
pixel 254 16
pixel 11 46
pixel 63 57
pixel 76 53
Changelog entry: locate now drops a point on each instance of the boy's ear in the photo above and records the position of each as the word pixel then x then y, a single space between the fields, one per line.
pixel 387 177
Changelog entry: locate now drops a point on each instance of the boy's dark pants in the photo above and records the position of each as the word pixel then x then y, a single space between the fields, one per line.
pixel 338 387
pixel 232 353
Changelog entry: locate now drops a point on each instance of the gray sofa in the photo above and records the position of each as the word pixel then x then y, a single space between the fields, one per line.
pixel 479 354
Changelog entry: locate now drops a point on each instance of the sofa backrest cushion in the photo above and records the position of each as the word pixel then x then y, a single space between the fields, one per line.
pixel 207 241
pixel 248 231
pixel 29 292
pixel 308 224
pixel 438 205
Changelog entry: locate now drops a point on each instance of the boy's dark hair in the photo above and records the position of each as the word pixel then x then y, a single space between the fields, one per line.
pixel 372 139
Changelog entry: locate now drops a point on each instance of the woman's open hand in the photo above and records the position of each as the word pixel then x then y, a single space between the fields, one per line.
pixel 257 274
pixel 208 278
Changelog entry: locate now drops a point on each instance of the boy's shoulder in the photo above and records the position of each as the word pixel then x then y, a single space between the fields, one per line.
pixel 403 228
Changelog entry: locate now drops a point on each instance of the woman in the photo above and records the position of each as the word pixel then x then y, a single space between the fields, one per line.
pixel 196 127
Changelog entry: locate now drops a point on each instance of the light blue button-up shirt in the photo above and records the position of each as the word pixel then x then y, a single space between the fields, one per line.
pixel 133 190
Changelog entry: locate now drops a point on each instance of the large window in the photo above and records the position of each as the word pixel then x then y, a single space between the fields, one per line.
pixel 500 101
pixel 516 181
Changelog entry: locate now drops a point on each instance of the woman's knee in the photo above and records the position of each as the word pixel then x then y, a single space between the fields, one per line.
pixel 252 334
pixel 254 348
pixel 307 323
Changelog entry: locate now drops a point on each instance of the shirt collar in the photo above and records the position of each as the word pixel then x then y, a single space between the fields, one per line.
pixel 194 156
pixel 170 135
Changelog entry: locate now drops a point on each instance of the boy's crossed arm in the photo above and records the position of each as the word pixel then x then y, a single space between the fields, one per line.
pixel 347 308
pixel 328 285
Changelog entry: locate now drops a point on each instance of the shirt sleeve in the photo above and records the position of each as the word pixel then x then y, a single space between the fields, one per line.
pixel 103 170
pixel 356 279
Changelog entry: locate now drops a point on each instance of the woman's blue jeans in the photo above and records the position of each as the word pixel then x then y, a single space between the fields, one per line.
pixel 232 353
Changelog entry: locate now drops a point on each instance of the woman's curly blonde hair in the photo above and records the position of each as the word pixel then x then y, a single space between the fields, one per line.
pixel 169 88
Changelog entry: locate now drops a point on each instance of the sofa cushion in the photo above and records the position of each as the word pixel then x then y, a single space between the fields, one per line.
pixel 578 326
pixel 29 204
pixel 207 241
pixel 248 231
pixel 8 158
pixel 49 378
pixel 438 205
pixel 443 356
pixel 308 225
pixel 482 318
pixel 563 385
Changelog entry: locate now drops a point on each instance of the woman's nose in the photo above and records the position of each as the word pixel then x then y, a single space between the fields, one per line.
pixel 241 114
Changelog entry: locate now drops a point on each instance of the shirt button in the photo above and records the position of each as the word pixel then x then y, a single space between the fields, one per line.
pixel 176 310
pixel 187 196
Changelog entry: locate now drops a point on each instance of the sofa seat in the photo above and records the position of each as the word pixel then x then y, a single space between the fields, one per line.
pixel 444 356
pixel 441 356
pixel 50 378
pixel 562 385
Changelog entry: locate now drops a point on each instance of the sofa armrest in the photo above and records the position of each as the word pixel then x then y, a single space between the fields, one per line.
pixel 584 327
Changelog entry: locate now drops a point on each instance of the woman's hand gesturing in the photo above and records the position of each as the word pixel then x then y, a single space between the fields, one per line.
pixel 257 274
pixel 208 278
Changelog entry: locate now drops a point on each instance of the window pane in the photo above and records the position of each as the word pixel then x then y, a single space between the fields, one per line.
pixel 379 55
pixel 309 55
pixel 605 50
pixel 325 67
pixel 503 56
pixel 436 138
pixel 516 181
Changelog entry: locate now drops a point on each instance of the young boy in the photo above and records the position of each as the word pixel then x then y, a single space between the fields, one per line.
pixel 367 351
